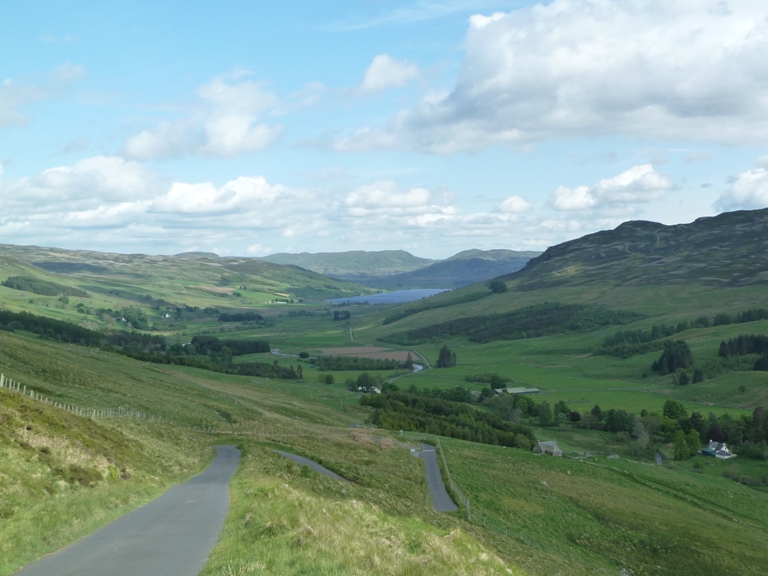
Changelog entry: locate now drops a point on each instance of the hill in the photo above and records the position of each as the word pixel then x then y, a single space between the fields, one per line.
pixel 727 250
pixel 190 279
pixel 606 507
pixel 397 269
pixel 462 269
pixel 353 264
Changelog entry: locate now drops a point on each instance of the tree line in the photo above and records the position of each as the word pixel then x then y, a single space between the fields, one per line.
pixel 397 410
pixel 627 343
pixel 746 435
pixel 530 322
pixel 208 345
pixel 240 317
pixel 43 287
pixel 341 363
pixel 153 348
pixel 259 369
pixel 429 304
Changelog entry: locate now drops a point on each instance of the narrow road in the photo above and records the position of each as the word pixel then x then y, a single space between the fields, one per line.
pixel 440 499
pixel 171 536
pixel 307 462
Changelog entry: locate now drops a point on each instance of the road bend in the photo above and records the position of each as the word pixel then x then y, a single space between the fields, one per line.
pixel 171 536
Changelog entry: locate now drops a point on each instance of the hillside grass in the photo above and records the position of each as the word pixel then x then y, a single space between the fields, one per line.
pixel 286 519
pixel 63 476
pixel 603 516
pixel 597 516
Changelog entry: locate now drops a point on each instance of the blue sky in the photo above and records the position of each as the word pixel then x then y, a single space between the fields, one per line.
pixel 247 128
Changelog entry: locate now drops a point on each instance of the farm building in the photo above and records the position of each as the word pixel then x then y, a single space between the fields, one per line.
pixel 718 450
pixel 550 448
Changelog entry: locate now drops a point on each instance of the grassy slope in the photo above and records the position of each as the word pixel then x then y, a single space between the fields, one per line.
pixel 598 516
pixel 286 528
pixel 682 521
pixel 308 419
pixel 62 476
pixel 286 519
pixel 119 280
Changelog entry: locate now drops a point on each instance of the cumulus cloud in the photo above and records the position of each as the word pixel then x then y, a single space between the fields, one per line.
pixel 105 201
pixel 639 184
pixel 514 205
pixel 98 178
pixel 386 72
pixel 749 191
pixel 575 68
pixel 244 193
pixel 225 124
pixel 110 203
pixel 384 204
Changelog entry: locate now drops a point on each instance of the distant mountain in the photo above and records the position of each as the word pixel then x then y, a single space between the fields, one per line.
pixel 459 270
pixel 397 269
pixel 184 278
pixel 730 249
pixel 353 264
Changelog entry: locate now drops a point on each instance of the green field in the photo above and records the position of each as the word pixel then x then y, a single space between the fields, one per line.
pixel 528 514
pixel 597 516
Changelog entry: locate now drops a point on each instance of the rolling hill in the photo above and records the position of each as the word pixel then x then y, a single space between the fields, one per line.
pixel 397 269
pixel 199 279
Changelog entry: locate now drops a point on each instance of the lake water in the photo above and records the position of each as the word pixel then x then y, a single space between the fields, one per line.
pixel 395 297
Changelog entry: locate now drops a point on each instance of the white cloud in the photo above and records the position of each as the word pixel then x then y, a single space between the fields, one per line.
pixel 108 203
pixel 639 184
pixel 384 198
pixel 257 250
pixel 225 124
pixel 92 179
pixel 579 198
pixel 106 216
pixel 675 69
pixel 243 193
pixel 749 191
pixel 514 205
pixel 386 72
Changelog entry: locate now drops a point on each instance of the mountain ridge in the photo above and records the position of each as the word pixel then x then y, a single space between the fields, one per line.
pixel 729 249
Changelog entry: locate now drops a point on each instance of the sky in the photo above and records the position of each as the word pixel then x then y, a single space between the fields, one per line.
pixel 247 128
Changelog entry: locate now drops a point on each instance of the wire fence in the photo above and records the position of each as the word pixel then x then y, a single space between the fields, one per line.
pixel 93 413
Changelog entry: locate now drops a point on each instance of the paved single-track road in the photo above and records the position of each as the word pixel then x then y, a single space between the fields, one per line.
pixel 440 499
pixel 307 462
pixel 171 536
